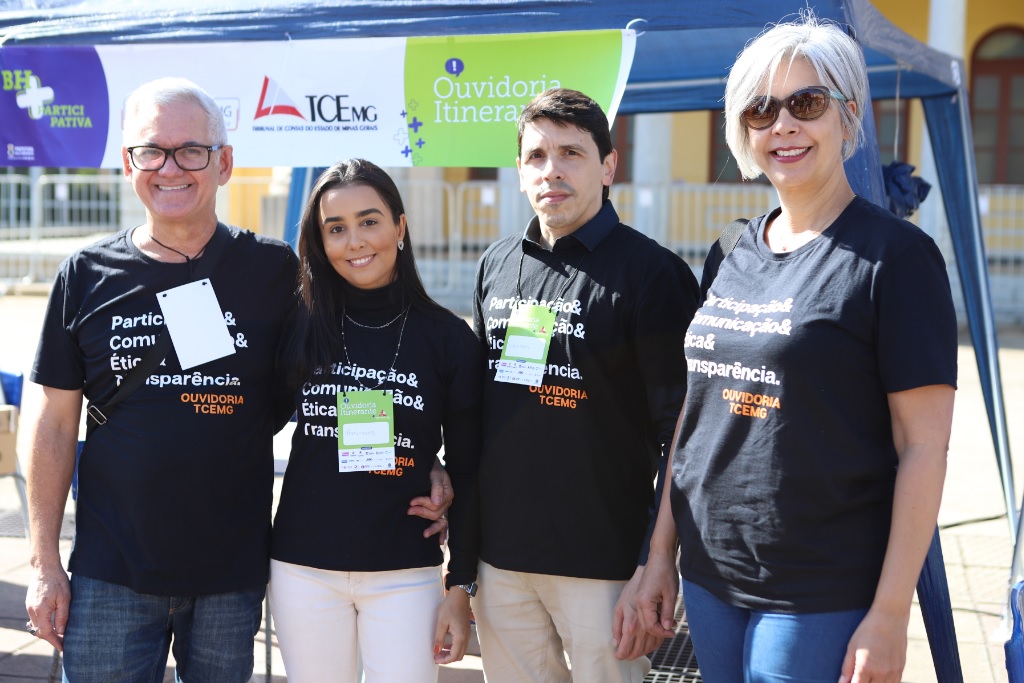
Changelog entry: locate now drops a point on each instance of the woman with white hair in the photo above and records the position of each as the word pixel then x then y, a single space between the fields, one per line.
pixel 810 454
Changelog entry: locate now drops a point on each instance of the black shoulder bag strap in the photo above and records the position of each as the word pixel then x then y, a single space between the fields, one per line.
pixel 731 235
pixel 134 379
pixel 725 244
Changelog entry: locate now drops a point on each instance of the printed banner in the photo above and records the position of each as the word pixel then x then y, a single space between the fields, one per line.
pixel 447 101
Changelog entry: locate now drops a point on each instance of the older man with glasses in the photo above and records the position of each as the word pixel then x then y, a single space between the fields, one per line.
pixel 173 514
pixel 169 330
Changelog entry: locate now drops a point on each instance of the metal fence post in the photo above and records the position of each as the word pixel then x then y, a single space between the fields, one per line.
pixel 35 221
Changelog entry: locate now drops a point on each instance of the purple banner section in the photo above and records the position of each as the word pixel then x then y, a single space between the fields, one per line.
pixel 54 107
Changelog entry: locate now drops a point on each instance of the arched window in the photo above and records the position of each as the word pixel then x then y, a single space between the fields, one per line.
pixel 997 107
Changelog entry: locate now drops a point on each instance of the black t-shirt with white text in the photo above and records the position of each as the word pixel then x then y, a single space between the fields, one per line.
pixel 785 469
pixel 175 490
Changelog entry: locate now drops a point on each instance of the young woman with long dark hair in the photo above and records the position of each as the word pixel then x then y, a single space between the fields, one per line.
pixel 383 375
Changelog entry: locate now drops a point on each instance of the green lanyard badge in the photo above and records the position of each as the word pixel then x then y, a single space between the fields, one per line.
pixel 527 340
pixel 366 431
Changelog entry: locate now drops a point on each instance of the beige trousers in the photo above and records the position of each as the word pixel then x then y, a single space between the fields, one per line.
pixel 328 621
pixel 528 624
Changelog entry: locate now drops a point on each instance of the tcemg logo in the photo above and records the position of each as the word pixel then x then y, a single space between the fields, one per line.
pixel 282 104
pixel 321 108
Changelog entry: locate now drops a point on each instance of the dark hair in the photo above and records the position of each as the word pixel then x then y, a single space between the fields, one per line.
pixel 315 340
pixel 569 108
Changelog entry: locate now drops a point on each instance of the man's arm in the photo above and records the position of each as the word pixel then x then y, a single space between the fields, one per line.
pixel 655 598
pixel 53 441
pixel 631 636
pixel 663 313
pixel 664 310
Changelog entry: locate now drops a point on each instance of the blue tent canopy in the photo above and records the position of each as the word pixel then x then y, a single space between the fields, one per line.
pixel 683 53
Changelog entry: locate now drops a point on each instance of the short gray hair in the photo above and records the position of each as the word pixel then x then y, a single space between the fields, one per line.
pixel 167 91
pixel 826 47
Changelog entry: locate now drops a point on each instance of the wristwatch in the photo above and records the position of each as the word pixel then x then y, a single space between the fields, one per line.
pixel 468 587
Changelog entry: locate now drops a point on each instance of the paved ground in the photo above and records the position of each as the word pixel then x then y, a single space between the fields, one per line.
pixel 975 535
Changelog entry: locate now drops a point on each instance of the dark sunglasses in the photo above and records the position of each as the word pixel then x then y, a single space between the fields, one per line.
pixel 805 104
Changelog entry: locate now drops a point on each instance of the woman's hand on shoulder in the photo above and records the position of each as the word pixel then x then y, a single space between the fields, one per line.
pixel 877 651
pixel 452 620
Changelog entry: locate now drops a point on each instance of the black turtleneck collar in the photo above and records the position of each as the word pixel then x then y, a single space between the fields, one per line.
pixel 373 304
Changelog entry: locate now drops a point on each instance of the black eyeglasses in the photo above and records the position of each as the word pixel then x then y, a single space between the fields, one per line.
pixel 805 104
pixel 187 157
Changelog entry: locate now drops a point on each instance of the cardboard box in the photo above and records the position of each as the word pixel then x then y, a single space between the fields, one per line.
pixel 8 438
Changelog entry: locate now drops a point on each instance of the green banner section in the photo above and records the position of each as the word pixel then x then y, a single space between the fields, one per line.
pixel 463 94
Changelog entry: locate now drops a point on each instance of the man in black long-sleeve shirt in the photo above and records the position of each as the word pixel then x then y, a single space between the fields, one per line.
pixel 580 430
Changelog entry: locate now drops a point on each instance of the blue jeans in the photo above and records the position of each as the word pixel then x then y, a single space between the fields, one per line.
pixel 115 635
pixel 738 645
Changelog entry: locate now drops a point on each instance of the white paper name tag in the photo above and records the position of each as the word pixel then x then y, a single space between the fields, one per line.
pixel 529 348
pixel 195 322
pixel 365 433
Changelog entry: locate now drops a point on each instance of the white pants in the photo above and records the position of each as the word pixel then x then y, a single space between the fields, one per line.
pixel 528 623
pixel 325 620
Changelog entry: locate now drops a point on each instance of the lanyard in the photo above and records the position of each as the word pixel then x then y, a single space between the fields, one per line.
pixel 565 286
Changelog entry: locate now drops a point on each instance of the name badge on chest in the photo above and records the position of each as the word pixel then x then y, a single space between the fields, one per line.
pixel 366 431
pixel 195 322
pixel 527 340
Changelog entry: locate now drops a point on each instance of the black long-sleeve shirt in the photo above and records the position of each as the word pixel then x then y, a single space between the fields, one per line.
pixel 567 467
pixel 357 521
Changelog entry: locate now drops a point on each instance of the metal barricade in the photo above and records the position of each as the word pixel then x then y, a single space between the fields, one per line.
pixel 43 218
pixel 1002 219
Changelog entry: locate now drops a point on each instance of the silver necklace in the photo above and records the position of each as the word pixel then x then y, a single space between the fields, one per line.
pixel 344 347
pixel 374 327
